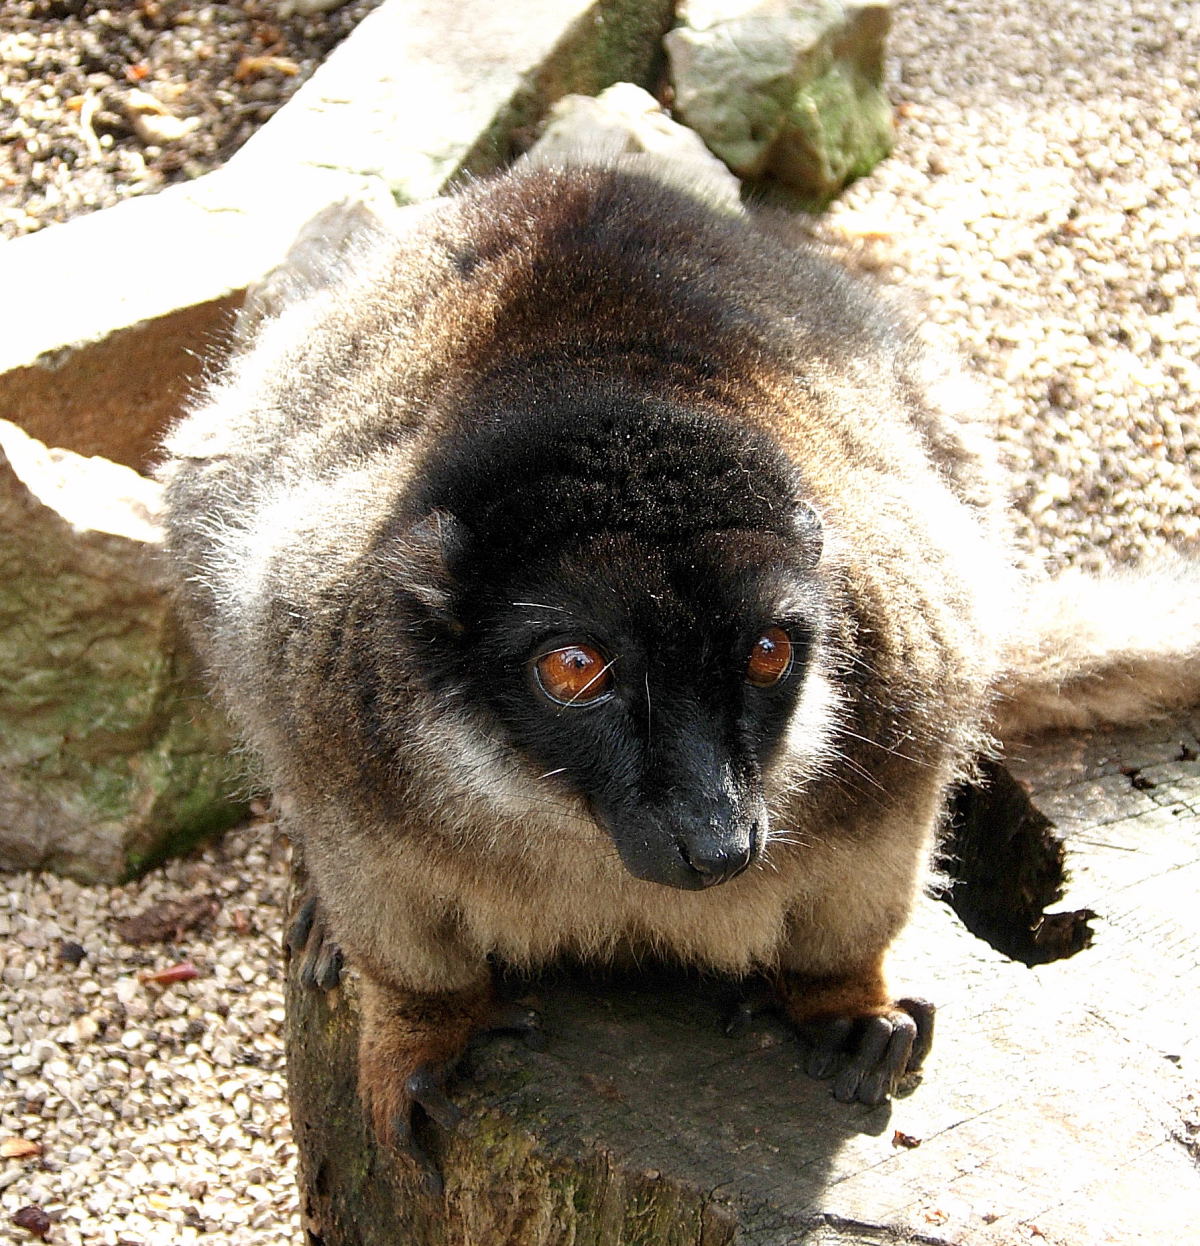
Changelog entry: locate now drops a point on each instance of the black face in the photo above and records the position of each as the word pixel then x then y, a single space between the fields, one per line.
pixel 657 684
pixel 633 597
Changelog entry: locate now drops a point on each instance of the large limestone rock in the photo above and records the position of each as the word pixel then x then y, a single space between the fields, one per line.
pixel 789 90
pixel 110 756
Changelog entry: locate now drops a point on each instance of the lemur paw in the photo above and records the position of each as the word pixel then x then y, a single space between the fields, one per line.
pixel 868 1056
pixel 856 1033
pixel 308 937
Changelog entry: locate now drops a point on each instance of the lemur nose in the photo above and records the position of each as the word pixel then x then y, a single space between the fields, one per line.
pixel 718 863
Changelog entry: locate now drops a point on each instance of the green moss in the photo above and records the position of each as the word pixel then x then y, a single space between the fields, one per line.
pixel 211 813
pixel 839 128
pixel 618 41
pixel 108 737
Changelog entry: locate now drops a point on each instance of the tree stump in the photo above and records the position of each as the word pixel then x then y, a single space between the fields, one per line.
pixel 1060 1103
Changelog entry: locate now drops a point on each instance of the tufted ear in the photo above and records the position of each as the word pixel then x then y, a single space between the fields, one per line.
pixel 418 561
pixel 809 531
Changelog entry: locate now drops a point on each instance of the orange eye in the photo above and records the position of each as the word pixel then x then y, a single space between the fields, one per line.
pixel 574 674
pixel 770 659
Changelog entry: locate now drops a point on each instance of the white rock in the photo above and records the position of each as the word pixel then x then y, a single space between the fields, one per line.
pixel 43 1050
pixel 625 124
pixel 128 989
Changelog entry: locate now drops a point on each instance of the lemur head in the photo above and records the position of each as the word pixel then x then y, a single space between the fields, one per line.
pixel 631 593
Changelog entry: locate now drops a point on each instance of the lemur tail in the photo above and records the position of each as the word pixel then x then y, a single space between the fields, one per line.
pixel 1117 649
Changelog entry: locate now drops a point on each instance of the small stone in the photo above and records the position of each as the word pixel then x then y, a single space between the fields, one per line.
pixel 80 1030
pixel 43 1050
pixel 162 129
pixel 71 953
pixel 33 1220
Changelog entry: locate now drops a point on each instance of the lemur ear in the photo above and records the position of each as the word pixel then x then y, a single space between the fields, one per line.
pixel 418 561
pixel 809 531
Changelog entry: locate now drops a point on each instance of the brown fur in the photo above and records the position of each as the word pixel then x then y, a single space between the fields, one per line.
pixel 432 842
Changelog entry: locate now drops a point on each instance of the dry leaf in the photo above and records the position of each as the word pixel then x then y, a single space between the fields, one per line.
pixel 185 971
pixel 167 920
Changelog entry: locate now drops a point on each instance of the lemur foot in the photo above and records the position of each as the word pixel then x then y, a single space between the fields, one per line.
pixel 409 1047
pixel 868 1056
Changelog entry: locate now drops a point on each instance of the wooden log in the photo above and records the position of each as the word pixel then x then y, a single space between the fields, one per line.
pixel 1059 1105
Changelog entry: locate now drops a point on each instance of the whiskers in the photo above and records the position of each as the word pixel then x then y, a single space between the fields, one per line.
pixel 884 748
pixel 788 837
pixel 843 759
pixel 539 605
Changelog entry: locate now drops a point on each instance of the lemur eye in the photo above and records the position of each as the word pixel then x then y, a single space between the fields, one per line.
pixel 770 658
pixel 574 675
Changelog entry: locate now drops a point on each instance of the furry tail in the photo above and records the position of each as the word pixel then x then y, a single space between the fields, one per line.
pixel 1117 649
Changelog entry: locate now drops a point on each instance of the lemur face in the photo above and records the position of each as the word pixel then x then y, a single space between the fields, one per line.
pixel 640 628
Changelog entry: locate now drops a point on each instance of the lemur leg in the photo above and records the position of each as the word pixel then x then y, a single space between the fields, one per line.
pixel 831 981
pixel 409 1040
pixel 408 1046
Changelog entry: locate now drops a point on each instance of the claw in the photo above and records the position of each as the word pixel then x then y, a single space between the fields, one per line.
pixel 827 1040
pixel 739 1020
pixel 923 1013
pixel 509 1018
pixel 315 970
pixel 868 1056
pixel 405 1142
pixel 426 1088
pixel 755 1000
pixel 328 968
pixel 301 927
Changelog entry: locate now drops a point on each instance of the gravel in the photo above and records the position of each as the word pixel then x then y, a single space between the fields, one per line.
pixel 102 101
pixel 1042 204
pixel 157 1112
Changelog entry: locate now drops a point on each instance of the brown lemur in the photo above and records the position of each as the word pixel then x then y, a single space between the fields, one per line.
pixel 597 573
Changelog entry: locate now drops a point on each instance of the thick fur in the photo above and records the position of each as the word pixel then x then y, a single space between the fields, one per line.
pixel 1116 648
pixel 580 401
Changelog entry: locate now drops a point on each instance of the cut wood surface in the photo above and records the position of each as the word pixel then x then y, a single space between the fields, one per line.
pixel 1060 1103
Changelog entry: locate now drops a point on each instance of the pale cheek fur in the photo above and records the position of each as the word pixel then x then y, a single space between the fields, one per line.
pixel 807 745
